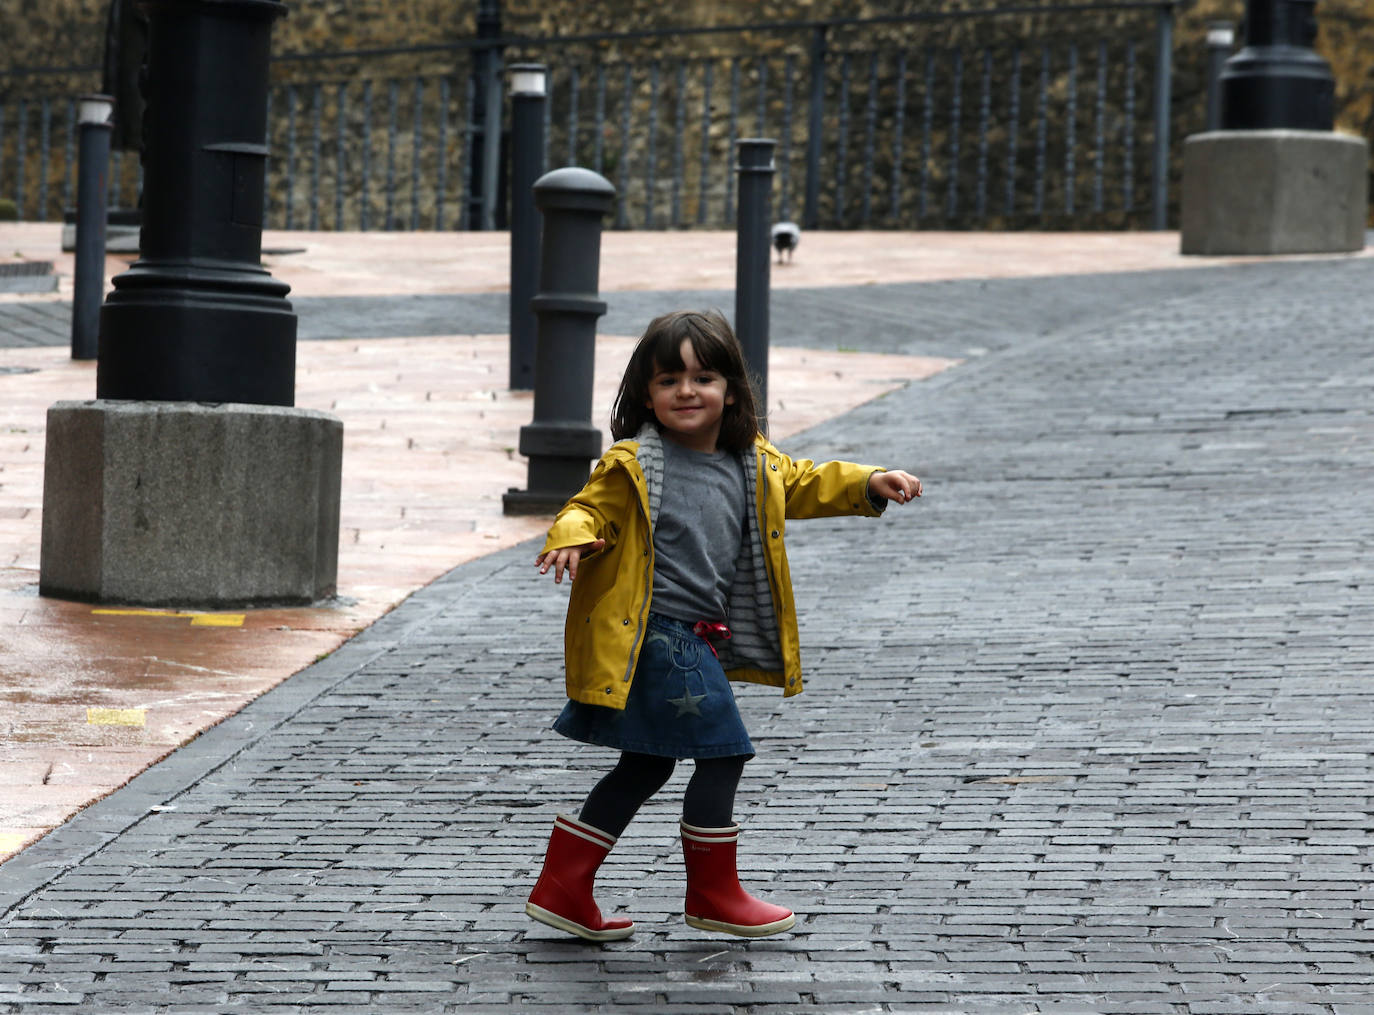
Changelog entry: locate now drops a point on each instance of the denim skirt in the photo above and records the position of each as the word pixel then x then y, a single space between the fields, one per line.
pixel 680 703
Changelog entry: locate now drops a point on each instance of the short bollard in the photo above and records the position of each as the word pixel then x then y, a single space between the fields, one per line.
pixel 92 172
pixel 561 442
pixel 527 93
pixel 752 257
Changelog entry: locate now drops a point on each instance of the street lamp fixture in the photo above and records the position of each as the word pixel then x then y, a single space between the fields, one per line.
pixel 1221 34
pixel 528 79
pixel 94 109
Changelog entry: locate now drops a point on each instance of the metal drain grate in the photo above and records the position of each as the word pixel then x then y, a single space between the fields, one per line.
pixel 27 277
pixel 18 268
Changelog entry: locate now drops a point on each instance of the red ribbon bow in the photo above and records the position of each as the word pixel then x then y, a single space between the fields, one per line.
pixel 707 631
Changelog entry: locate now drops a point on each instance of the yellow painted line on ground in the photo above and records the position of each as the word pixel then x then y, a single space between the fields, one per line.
pixel 197 619
pixel 11 842
pixel 216 619
pixel 117 716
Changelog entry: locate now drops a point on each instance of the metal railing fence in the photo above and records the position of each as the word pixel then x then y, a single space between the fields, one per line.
pixel 949 121
pixel 1026 117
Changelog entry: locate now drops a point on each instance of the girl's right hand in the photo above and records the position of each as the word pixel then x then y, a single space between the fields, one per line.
pixel 565 558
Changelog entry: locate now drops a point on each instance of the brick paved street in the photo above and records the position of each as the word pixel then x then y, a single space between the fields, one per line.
pixel 1087 730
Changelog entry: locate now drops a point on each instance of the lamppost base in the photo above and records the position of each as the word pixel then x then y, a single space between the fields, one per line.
pixel 190 505
pixel 1273 192
pixel 197 345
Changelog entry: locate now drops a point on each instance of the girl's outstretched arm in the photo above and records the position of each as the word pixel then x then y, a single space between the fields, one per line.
pixel 895 485
pixel 565 558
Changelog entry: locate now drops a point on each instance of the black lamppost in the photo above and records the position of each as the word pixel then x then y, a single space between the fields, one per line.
pixel 484 152
pixel 811 215
pixel 527 93
pixel 126 45
pixel 753 243
pixel 166 489
pixel 92 177
pixel 197 318
pixel 1278 81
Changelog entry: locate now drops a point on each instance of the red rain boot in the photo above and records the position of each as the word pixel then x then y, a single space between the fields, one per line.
pixel 562 897
pixel 715 900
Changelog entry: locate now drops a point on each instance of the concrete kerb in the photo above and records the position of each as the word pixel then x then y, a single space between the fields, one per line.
pixel 86 833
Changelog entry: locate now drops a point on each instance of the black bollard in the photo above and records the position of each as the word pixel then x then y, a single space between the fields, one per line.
pixel 527 92
pixel 1221 39
pixel 92 176
pixel 752 258
pixel 197 318
pixel 484 148
pixel 561 442
pixel 1277 81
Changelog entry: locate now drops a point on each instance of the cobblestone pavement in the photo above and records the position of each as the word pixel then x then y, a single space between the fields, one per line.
pixel 1087 730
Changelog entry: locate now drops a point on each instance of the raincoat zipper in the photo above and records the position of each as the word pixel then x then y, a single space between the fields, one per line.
pixel 648 584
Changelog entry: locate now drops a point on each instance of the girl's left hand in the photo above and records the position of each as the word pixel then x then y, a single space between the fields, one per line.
pixel 895 485
pixel 566 557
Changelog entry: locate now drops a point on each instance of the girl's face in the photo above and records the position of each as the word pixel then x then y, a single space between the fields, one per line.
pixel 690 402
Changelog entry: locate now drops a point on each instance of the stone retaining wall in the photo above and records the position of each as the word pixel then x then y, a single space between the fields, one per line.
pixel 66 33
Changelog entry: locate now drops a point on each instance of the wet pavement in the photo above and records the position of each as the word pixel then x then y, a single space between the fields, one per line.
pixel 1086 730
pixel 426 414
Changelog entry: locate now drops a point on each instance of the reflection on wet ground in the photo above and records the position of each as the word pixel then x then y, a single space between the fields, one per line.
pixel 93 695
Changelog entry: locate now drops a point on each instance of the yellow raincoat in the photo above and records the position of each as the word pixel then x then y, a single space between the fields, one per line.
pixel 610 600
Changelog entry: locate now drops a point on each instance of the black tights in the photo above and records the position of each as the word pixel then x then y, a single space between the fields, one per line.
pixel 709 801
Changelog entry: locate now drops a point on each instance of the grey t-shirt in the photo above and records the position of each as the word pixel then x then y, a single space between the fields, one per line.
pixel 697 538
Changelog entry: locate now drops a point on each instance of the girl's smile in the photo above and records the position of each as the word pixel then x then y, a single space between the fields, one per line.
pixel 690 402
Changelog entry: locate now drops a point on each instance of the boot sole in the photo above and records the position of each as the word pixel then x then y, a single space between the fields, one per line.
pixel 586 933
pixel 743 930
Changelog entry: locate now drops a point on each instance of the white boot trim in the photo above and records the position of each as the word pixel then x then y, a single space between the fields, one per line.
pixel 697 834
pixel 585 831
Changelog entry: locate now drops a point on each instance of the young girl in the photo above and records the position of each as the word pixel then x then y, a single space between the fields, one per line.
pixel 680 584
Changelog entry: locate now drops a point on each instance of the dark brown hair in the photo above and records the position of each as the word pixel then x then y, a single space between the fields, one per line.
pixel 716 348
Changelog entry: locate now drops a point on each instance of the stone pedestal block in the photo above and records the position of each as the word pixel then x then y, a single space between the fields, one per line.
pixel 1274 192
pixel 190 504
